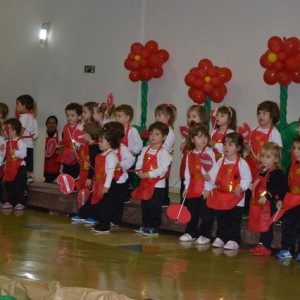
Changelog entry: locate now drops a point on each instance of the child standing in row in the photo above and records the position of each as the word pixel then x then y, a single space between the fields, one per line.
pixel 153 164
pixel 232 177
pixel 166 113
pixel 102 114
pixel 197 187
pixel 269 186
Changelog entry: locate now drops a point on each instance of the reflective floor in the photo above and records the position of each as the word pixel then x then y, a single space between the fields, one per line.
pixel 41 246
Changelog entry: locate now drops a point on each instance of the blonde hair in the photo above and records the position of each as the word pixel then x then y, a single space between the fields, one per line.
pixel 168 109
pixel 275 150
pixel 201 111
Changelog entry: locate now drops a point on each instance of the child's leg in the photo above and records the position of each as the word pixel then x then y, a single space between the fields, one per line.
pixel 29 161
pixel 193 205
pixel 207 219
pixel 166 200
pixel 20 184
pixel 119 198
pixel 71 170
pixel 289 229
pixel 182 186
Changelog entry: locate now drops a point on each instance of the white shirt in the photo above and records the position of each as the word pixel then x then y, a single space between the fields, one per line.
pixel 110 165
pixel 2 152
pixel 22 152
pixel 169 141
pixel 135 142
pixel 127 161
pixel 28 122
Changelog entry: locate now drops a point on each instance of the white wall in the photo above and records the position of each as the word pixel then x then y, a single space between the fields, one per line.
pixel 232 33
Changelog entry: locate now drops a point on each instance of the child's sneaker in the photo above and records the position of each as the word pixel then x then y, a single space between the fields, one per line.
pixel 186 238
pixel 77 219
pixel 6 205
pixel 284 254
pixel 29 180
pixel 114 225
pixel 218 243
pixel 151 232
pixel 255 248
pixel 202 240
pixel 101 230
pixel 141 229
pixel 19 206
pixel 298 257
pixel 231 245
pixel 89 221
pixel 262 251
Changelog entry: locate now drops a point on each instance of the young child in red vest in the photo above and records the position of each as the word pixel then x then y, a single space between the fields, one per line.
pixel 153 164
pixel 101 114
pixel 225 123
pixel 269 186
pixel 197 187
pixel 290 235
pixel 232 176
pixel 15 172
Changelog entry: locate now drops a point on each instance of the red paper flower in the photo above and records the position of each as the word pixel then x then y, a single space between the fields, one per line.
pixel 145 62
pixel 207 80
pixel 282 61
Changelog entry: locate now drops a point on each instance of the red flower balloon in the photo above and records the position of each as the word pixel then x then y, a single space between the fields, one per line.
pixel 281 61
pixel 145 62
pixel 207 80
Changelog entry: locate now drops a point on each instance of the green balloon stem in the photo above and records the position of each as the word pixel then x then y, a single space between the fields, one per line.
pixel 144 103
pixel 207 106
pixel 283 106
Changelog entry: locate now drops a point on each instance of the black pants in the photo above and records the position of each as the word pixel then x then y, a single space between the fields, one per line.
pixel 229 224
pixel 199 210
pixel 15 189
pixel 29 160
pixel 291 230
pixel 71 170
pixel 152 210
pixel 118 199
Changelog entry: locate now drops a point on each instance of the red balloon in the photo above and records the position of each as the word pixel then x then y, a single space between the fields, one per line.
pixel 291 46
pixel 205 64
pixel 284 78
pixel 281 56
pixel 143 63
pixel 197 95
pixel 155 61
pixel 193 71
pixel 134 66
pixel 278 65
pixel 212 72
pixel 296 76
pixel 131 56
pixel 134 76
pixel 157 72
pixel 152 46
pixel 208 87
pixel 163 54
pixel 200 73
pixel 189 79
pixel 217 95
pixel 146 74
pixel 264 62
pixel 275 44
pixel 223 89
pixel 225 74
pixel 145 53
pixel 198 83
pixel 292 64
pixel 216 81
pixel 136 48
pixel 270 77
pixel 127 64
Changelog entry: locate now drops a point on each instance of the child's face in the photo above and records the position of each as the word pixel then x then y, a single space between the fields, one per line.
pixel 268 159
pixel 296 147
pixel 200 141
pixel 156 138
pixel 9 132
pixel 103 144
pixel 20 108
pixel 193 117
pixel 86 114
pixel 87 137
pixel 72 117
pixel 230 149
pixel 264 118
pixel 97 115
pixel 122 118
pixel 162 117
pixel 221 119
pixel 51 125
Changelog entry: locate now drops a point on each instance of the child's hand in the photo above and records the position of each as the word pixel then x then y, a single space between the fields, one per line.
pixel 143 175
pixel 133 153
pixel 184 193
pixel 118 165
pixel 238 191
pixel 212 143
pixel 262 200
pixel 279 204
pixel 206 177
pixel 248 146
pixel 2 147
pixel 182 146
pixel 12 152
pixel 205 194
pixel 88 182
pixel 104 190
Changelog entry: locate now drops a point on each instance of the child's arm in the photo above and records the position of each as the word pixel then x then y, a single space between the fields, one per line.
pixel 137 143
pixel 127 158
pixel 22 152
pixel 245 173
pixel 169 141
pixel 110 165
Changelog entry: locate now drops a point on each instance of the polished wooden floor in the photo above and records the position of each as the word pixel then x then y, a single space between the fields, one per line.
pixel 37 245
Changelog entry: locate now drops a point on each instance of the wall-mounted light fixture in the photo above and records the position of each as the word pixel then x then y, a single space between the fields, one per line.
pixel 44 33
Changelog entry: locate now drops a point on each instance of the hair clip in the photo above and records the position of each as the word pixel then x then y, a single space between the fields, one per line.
pixel 230 111
pixel 170 105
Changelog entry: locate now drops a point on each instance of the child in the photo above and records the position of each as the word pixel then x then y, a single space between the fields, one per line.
pixel 105 184
pixel 153 164
pixel 197 188
pixel 291 219
pixel 15 173
pixel 232 177
pixel 88 111
pixel 25 109
pixel 101 114
pixel 51 166
pixel 3 114
pixel 225 123
pixel 166 113
pixel 269 185
pixel 196 114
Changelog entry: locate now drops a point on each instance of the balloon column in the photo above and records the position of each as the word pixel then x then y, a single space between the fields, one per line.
pixel 282 64
pixel 144 63
pixel 207 82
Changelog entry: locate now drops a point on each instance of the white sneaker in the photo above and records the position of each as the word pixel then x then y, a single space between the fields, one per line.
pixel 202 240
pixel 6 205
pixel 218 243
pixel 186 238
pixel 231 245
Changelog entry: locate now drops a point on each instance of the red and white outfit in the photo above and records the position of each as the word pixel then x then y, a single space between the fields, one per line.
pixel 132 140
pixel 292 198
pixel 217 138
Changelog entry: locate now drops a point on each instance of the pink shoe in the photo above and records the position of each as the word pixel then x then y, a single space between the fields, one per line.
pixel 19 206
pixel 6 205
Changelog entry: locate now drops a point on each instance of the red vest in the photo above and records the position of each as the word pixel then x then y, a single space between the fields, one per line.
pixel 119 170
pixel 125 140
pixel 259 215
pixel 12 162
pixel 84 164
pixel 185 152
pixel 222 197
pixel 51 165
pixel 217 138
pixel 146 187
pixel 196 185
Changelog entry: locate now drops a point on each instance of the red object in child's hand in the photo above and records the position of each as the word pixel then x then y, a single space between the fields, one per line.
pixel 245 131
pixel 213 117
pixel 66 183
pixel 145 134
pixel 83 195
pixel 179 212
pixel 78 136
pixel 184 131
pixel 277 215
pixel 110 101
pixel 206 162
pixel 50 147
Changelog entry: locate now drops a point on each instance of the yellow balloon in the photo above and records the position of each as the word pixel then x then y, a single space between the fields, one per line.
pixel 272 57
pixel 137 58
pixel 207 79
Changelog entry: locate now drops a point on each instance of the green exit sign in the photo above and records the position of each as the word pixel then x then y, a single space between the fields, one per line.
pixel 89 69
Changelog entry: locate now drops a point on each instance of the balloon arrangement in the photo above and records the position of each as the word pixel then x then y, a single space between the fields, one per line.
pixel 145 63
pixel 282 64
